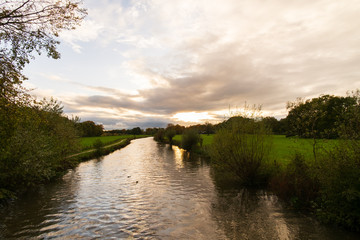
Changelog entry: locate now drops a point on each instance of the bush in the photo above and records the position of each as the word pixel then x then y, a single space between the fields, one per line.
pixel 296 183
pixel 99 148
pixel 159 135
pixel 170 133
pixel 35 145
pixel 240 150
pixel 339 176
pixel 190 140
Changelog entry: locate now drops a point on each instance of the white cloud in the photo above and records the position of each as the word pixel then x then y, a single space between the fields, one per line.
pixel 202 56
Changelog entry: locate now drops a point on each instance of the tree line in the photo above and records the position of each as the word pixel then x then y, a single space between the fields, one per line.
pixel 326 117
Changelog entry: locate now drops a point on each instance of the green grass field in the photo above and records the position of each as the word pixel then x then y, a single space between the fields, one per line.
pixel 87 142
pixel 284 148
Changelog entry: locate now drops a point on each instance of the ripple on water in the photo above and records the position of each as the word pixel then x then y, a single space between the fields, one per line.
pixel 150 191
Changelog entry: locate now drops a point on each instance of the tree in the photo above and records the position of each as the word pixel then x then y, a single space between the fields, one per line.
pixel 159 135
pixel 190 139
pixel 320 117
pixel 240 149
pixel 90 129
pixel 170 133
pixel 135 131
pixel 36 147
pixel 209 128
pixel 28 26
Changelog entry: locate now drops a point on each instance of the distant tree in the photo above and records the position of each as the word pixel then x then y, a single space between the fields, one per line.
pixel 209 128
pixel 281 127
pixel 270 122
pixel 28 26
pixel 170 133
pixel 159 135
pixel 276 126
pixel 90 129
pixel 190 139
pixel 179 129
pixel 136 131
pixel 150 131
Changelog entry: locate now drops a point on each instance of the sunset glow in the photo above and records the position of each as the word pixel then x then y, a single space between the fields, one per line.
pixel 184 61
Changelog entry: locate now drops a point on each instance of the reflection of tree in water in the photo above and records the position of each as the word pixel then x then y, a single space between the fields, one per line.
pixel 248 214
pixel 186 159
pixel 191 160
pixel 255 214
pixel 34 209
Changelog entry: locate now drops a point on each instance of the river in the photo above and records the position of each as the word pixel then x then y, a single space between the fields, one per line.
pixel 153 191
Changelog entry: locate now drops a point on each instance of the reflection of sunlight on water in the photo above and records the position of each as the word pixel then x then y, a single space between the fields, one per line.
pixel 281 227
pixel 149 191
pixel 278 219
pixel 178 153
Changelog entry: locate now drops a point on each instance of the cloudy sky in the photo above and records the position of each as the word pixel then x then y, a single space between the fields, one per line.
pixel 151 62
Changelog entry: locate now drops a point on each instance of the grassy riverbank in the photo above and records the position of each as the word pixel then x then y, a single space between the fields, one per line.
pixel 88 150
pixel 320 175
pixel 93 147
pixel 283 148
pixel 88 142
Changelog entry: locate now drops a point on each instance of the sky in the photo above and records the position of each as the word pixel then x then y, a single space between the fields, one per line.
pixel 147 63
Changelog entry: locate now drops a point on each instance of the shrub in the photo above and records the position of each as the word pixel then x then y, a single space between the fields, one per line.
pixel 170 133
pixel 190 139
pixel 240 150
pixel 99 147
pixel 339 176
pixel 35 140
pixel 159 135
pixel 296 183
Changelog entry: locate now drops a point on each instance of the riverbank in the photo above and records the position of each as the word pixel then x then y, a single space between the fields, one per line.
pixel 105 150
pixel 109 145
pixel 151 191
pixel 318 176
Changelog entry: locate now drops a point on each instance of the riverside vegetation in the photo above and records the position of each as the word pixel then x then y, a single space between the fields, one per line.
pixel 315 167
pixel 37 141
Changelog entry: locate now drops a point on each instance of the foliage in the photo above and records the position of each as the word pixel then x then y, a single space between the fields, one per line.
pixel 276 126
pixel 169 134
pixel 339 177
pixel 89 129
pixel 133 131
pixel 36 143
pixel 320 117
pixel 190 139
pixel 159 135
pixel 241 148
pixel 296 183
pixel 99 147
pixel 31 26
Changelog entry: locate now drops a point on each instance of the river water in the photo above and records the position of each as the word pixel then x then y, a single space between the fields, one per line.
pixel 153 191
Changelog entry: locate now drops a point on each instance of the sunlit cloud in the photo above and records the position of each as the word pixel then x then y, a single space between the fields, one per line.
pixel 188 61
pixel 192 116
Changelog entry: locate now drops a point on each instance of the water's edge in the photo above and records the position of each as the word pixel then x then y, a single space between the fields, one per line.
pixel 153 191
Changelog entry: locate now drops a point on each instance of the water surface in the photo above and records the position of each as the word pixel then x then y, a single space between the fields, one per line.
pixel 152 191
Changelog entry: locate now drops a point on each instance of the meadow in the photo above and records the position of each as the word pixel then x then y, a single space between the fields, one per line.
pixel 283 148
pixel 88 142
